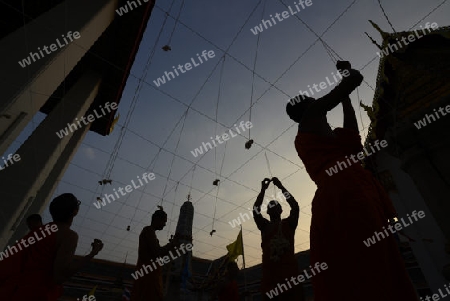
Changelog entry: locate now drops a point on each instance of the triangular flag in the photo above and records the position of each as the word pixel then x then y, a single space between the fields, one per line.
pixel 92 292
pixel 236 248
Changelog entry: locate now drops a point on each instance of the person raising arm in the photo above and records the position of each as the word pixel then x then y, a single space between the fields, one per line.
pixel 260 221
pixel 311 113
pixel 295 209
pixel 64 266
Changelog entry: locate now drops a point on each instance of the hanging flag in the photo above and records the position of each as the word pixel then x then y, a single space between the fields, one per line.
pixel 92 292
pixel 236 248
pixel 126 296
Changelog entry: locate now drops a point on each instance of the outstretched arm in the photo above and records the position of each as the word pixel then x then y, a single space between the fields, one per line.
pixel 350 121
pixel 151 243
pixel 260 221
pixel 321 106
pixel 295 209
pixel 64 266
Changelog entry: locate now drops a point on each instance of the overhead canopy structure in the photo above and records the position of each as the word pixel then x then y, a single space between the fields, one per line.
pixel 64 84
pixel 112 55
pixel 410 80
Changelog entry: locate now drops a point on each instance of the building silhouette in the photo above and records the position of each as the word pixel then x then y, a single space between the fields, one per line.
pixel 412 82
pixel 63 80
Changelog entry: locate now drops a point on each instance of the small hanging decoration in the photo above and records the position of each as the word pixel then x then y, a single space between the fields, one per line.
pixel 128 228
pixel 167 47
pixel 248 144
pixel 216 182
pixel 105 181
pixel 343 65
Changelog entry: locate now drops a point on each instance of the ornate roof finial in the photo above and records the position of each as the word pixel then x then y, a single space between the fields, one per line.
pixel 373 41
pixel 384 34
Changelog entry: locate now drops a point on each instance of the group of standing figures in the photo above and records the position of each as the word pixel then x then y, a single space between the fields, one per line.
pixel 347 208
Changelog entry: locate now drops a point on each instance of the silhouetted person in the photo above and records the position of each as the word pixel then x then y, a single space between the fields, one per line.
pixel 43 259
pixel 227 289
pixel 34 222
pixel 278 259
pixel 149 286
pixel 349 205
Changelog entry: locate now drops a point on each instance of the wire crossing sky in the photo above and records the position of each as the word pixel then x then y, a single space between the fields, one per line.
pixel 250 78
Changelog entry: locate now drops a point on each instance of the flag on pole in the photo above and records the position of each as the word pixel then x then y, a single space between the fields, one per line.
pixel 236 248
pixel 92 292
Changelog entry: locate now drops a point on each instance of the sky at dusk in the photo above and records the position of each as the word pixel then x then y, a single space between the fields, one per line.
pixel 167 122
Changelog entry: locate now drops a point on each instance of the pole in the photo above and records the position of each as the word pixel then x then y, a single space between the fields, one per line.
pixel 243 261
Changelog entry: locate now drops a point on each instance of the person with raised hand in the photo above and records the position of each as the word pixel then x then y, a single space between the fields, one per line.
pixel 42 267
pixel 150 285
pixel 347 207
pixel 277 235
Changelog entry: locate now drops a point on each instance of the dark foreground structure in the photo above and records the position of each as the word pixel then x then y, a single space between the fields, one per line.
pixel 411 93
pixel 66 59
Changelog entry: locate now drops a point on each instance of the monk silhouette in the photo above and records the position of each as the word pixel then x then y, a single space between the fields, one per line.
pixel 278 260
pixel 150 285
pixel 227 289
pixel 36 271
pixel 34 222
pixel 348 207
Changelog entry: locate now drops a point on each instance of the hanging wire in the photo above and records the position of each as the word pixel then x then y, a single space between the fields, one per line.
pixel 171 212
pixel 215 149
pixel 192 179
pixel 173 158
pixel 359 108
pixel 381 6
pixel 217 111
pixel 218 187
pixel 176 22
pixel 113 157
pixel 153 162
pixel 253 70
pixel 329 51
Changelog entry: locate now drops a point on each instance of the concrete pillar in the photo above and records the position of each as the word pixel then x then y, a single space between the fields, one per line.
pixel 431 185
pixel 42 157
pixel 26 89
pixel 430 256
pixel 424 157
pixel 40 202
